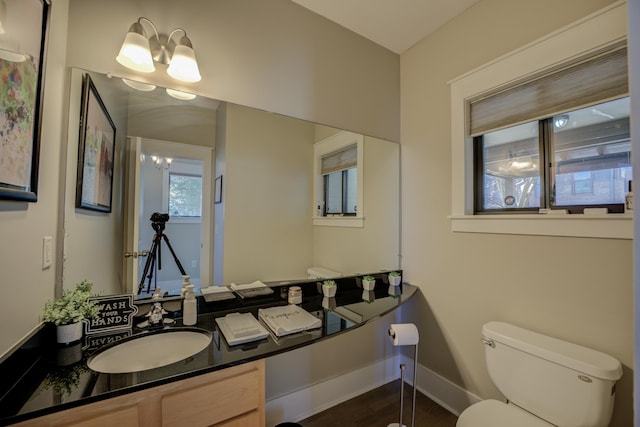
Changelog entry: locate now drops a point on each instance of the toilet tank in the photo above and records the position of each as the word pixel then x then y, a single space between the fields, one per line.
pixel 563 383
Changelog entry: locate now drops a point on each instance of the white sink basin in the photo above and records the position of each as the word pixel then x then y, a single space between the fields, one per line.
pixel 150 351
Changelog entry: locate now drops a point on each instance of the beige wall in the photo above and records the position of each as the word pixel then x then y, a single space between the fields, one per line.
pixel 98 258
pixel 267 196
pixel 572 288
pixel 376 245
pixel 23 225
pixel 273 55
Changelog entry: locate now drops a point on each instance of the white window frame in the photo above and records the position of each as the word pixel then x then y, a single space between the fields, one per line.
pixel 592 33
pixel 336 142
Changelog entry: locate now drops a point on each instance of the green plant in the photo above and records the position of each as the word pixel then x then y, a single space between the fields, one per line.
pixel 329 283
pixel 64 380
pixel 394 274
pixel 369 278
pixel 72 306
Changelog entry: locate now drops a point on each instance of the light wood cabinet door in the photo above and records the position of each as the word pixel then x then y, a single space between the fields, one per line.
pixel 232 397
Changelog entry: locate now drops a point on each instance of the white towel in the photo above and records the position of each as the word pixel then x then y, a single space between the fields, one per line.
pixel 214 290
pixel 255 285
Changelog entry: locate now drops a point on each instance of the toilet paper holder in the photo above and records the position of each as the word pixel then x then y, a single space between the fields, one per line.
pixel 403 335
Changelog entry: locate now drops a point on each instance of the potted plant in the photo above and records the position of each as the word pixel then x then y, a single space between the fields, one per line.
pixel 368 283
pixel 394 278
pixel 65 380
pixel 329 288
pixel 368 296
pixel 68 311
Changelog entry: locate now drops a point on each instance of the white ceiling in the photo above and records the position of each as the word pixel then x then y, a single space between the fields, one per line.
pixel 394 24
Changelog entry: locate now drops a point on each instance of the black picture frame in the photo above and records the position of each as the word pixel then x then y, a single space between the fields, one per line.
pixel 217 194
pixel 21 97
pixel 94 185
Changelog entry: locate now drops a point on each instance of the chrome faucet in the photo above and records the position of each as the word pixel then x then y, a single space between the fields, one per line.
pixel 156 314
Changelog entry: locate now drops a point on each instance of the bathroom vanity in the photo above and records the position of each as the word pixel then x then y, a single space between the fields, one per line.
pixel 49 384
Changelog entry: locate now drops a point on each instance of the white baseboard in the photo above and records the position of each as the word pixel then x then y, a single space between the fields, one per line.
pixel 316 398
pixel 445 393
pixel 311 400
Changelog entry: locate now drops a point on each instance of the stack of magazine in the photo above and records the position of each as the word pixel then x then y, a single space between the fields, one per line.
pixel 240 328
pixel 288 319
pixel 250 290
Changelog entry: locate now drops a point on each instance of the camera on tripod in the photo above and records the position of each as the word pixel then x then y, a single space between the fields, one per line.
pixel 159 220
pixel 154 261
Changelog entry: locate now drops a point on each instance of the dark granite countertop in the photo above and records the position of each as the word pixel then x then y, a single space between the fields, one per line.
pixel 42 377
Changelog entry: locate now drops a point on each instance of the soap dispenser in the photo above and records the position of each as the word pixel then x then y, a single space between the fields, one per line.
pixel 189 307
pixel 185 282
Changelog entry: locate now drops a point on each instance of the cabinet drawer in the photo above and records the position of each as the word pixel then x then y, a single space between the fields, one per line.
pixel 213 403
pixel 252 419
pixel 119 417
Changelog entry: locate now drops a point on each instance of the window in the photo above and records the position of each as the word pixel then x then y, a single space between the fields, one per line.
pixel 338 192
pixel 589 164
pixel 185 193
pixel 602 32
pixel 182 188
pixel 340 182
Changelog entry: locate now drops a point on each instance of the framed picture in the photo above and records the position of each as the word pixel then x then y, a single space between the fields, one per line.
pixel 22 59
pixel 217 195
pixel 94 187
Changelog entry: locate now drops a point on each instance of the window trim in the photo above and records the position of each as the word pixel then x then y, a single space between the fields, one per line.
pixel 337 142
pixel 593 33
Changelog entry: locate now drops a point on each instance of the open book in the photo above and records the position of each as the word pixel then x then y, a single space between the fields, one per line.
pixel 288 319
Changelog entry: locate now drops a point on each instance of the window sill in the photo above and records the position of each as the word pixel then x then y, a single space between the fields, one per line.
pixel 339 221
pixel 605 226
pixel 185 220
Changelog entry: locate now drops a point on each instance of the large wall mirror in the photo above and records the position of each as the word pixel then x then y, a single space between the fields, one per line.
pixel 238 185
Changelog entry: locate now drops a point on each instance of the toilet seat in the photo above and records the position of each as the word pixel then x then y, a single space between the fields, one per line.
pixel 493 413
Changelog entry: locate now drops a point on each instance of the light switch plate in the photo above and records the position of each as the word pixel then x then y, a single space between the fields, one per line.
pixel 47 252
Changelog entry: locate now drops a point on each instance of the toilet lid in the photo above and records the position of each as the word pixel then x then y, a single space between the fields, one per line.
pixel 493 413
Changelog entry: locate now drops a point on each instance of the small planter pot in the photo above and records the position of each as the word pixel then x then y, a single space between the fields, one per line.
pixel 68 355
pixel 329 291
pixel 368 285
pixel 368 296
pixel 328 303
pixel 395 280
pixel 66 334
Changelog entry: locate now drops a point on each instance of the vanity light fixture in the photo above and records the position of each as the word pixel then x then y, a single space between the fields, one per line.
pixel 161 162
pixel 182 96
pixel 143 87
pixel 560 121
pixel 3 16
pixel 139 53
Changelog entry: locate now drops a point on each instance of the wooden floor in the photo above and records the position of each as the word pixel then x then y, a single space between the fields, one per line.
pixel 381 407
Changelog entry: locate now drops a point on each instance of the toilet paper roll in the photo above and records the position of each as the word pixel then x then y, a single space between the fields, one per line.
pixel 404 334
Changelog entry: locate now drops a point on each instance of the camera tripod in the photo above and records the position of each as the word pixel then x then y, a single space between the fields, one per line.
pixel 158 222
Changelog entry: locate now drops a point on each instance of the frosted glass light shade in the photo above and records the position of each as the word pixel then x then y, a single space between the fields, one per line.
pixel 7 55
pixel 182 96
pixel 144 87
pixel 184 66
pixel 135 53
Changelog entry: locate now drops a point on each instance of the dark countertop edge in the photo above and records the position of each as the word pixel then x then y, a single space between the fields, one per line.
pixel 184 375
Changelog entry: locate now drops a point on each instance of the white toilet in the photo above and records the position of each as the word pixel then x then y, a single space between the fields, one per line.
pixel 547 382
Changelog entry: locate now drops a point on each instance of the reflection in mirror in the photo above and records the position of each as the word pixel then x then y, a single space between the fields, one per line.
pixel 256 224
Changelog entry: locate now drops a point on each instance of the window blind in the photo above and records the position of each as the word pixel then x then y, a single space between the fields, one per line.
pixel 589 81
pixel 340 160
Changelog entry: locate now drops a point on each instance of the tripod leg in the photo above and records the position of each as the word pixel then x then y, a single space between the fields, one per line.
pixel 148 264
pixel 175 257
